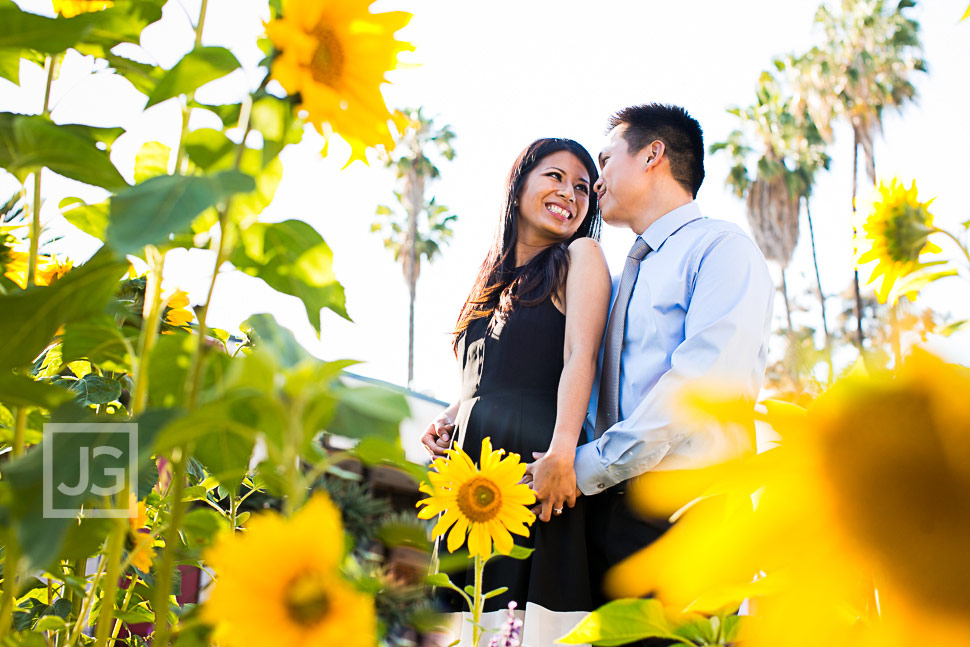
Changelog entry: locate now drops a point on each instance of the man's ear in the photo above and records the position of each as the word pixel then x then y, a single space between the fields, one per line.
pixel 652 153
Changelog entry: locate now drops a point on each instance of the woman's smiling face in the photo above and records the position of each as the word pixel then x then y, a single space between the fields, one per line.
pixel 554 199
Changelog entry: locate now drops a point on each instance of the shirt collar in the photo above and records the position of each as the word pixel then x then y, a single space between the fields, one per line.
pixel 668 224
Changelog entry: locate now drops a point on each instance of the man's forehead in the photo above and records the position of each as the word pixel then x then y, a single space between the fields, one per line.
pixel 613 139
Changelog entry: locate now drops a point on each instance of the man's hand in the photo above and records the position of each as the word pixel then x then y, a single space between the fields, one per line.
pixel 554 482
pixel 437 437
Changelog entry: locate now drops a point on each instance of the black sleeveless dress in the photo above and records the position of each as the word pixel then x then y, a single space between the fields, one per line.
pixel 510 382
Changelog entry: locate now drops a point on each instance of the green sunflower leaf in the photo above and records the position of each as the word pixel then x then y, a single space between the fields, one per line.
pixel 149 212
pixel 620 622
pixel 30 142
pixel 291 257
pixel 195 69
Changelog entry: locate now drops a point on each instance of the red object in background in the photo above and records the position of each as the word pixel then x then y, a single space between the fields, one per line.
pixel 188 594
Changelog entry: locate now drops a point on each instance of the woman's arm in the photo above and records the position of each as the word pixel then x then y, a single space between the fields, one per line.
pixel 586 301
pixel 437 437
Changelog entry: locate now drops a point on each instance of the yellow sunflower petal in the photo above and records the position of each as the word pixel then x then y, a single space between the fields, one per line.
pixel 457 535
pixel 336 55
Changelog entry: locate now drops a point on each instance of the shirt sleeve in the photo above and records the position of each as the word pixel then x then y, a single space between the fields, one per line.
pixel 727 321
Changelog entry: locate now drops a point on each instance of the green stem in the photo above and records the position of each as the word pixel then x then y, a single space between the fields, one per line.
pixel 180 156
pixel 78 598
pixel 49 65
pixel 19 430
pixel 88 603
pixel 129 592
pixel 201 25
pixel 116 543
pixel 232 511
pixel 222 255
pixel 163 583
pixel 894 335
pixel 966 252
pixel 296 485
pixel 479 603
pixel 151 320
pixel 11 557
pixel 34 232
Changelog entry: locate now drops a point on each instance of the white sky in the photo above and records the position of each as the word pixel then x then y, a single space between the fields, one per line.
pixel 502 74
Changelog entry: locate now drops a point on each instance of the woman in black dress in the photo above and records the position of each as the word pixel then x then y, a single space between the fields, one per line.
pixel 528 338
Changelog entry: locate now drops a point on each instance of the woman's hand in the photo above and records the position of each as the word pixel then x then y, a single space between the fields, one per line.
pixel 437 437
pixel 553 481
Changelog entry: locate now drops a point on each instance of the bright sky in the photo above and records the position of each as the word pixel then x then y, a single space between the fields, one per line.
pixel 503 74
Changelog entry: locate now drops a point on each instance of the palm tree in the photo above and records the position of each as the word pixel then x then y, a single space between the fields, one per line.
pixel 870 54
pixel 422 226
pixel 791 152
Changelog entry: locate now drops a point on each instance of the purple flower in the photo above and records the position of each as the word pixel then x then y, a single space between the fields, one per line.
pixel 511 632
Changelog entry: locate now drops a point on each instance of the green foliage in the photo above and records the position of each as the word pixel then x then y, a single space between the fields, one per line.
pixel 33 316
pixel 23 30
pixel 623 621
pixel 194 70
pixel 29 142
pixel 148 213
pixel 93 347
pixel 293 258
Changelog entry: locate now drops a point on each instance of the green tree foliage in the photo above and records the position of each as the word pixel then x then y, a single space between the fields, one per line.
pixel 775 153
pixel 866 64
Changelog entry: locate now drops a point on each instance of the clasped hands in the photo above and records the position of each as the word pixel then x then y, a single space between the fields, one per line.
pixel 553 480
pixel 551 476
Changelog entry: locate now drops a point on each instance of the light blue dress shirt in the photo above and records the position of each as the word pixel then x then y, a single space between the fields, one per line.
pixel 700 310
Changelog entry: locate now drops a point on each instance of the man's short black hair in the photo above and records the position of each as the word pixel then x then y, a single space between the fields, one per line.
pixel 681 134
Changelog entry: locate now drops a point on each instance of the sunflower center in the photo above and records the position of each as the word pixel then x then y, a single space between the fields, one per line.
pixel 327 64
pixel 479 499
pixel 307 601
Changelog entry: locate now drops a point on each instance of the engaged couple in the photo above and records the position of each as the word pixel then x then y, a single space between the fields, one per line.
pixel 576 372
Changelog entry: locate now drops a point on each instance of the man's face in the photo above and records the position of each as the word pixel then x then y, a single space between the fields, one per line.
pixel 620 177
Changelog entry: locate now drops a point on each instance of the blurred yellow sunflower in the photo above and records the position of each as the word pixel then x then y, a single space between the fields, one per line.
pixel 49 269
pixel 334 54
pixel 71 8
pixel 177 313
pixel 139 543
pixel 897 232
pixel 278 583
pixel 853 531
pixel 487 505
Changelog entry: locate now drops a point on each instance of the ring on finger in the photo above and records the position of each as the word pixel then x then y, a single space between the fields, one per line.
pixel 557 511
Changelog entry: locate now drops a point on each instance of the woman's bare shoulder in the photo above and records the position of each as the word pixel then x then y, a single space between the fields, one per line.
pixel 587 252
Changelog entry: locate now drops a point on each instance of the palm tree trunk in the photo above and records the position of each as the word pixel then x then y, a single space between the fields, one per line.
pixel 821 294
pixel 855 271
pixel 794 358
pixel 784 294
pixel 412 288
pixel 818 277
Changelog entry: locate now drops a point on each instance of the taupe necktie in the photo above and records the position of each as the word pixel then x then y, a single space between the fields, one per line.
pixel 608 404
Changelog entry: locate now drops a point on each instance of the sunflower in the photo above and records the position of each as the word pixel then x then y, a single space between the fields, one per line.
pixel 853 530
pixel 896 230
pixel 177 312
pixel 71 8
pixel 139 543
pixel 49 269
pixel 278 583
pixel 487 504
pixel 334 54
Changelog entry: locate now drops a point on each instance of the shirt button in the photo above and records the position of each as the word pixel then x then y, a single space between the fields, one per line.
pixel 600 486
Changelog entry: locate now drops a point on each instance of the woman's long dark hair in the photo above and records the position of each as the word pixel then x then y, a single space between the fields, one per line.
pixel 500 286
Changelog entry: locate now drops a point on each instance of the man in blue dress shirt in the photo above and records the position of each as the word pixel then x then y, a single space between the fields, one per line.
pixel 700 308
